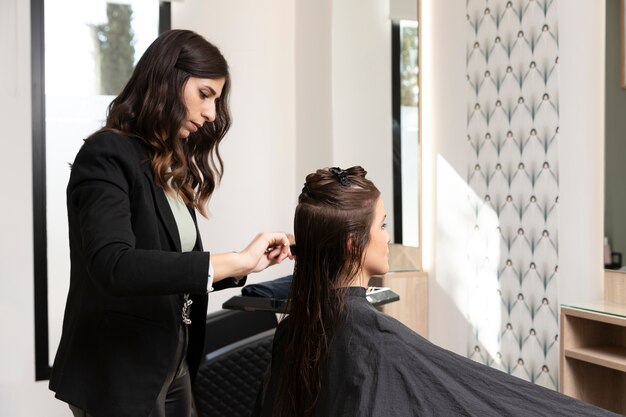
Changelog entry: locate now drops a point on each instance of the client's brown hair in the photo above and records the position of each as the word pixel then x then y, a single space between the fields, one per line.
pixel 151 107
pixel 331 227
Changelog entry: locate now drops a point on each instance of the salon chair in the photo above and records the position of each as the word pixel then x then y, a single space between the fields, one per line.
pixel 237 356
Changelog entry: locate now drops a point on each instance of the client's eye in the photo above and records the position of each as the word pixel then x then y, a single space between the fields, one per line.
pixel 384 225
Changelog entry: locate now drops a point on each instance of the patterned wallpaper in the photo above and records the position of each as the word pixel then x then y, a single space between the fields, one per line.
pixel 512 133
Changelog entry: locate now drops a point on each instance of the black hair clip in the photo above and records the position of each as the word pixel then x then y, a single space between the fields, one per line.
pixel 342 176
pixel 306 188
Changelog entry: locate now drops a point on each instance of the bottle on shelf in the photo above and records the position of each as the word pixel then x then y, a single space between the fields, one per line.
pixel 607 252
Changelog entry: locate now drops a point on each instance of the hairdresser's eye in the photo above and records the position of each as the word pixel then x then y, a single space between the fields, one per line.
pixel 203 95
pixel 384 225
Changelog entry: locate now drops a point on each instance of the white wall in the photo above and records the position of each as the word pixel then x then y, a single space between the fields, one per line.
pixel 445 157
pixel 361 87
pixel 20 395
pixel 259 188
pixel 581 151
pixel 313 100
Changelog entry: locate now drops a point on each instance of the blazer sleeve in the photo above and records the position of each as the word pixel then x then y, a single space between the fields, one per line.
pixel 104 189
pixel 229 283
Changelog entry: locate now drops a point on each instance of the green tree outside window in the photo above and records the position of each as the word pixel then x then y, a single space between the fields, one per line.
pixel 408 66
pixel 115 48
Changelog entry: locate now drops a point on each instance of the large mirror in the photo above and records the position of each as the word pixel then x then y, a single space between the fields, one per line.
pixel 615 138
pixel 71 103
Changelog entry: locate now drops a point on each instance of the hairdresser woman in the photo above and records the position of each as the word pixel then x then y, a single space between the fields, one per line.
pixel 133 331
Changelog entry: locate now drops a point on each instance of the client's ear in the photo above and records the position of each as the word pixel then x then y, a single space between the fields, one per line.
pixel 349 244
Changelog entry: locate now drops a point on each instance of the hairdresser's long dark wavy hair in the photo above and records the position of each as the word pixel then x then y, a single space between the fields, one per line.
pixel 331 227
pixel 151 108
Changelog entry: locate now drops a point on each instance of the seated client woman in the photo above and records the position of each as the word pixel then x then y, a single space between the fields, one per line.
pixel 336 355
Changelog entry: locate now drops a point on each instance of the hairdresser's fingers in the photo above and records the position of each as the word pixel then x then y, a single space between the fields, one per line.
pixel 265 242
pixel 283 256
pixel 292 245
pixel 265 261
pixel 276 239
pixel 268 249
pixel 279 254
pixel 274 253
pixel 284 241
pixel 286 251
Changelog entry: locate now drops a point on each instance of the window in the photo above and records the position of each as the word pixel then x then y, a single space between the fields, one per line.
pixel 90 51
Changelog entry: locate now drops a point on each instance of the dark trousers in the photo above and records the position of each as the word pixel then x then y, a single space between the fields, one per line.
pixel 175 398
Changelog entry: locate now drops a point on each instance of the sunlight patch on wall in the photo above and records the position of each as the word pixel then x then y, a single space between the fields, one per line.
pixel 468 255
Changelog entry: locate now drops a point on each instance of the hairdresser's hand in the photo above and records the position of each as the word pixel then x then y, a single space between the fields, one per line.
pixel 267 249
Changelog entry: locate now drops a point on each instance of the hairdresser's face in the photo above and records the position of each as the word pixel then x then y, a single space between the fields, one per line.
pixel 376 258
pixel 200 96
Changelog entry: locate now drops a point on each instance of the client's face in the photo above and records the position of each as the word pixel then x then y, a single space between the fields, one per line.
pixel 376 259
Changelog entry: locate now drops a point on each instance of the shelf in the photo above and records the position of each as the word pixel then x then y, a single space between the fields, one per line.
pixel 603 311
pixel 593 354
pixel 613 357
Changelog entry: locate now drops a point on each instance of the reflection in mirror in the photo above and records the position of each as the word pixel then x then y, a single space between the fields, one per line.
pixel 615 138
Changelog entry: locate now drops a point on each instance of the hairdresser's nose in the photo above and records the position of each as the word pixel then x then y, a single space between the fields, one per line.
pixel 208 111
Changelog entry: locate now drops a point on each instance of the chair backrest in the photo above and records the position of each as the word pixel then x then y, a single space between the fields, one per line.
pixel 230 378
pixel 228 326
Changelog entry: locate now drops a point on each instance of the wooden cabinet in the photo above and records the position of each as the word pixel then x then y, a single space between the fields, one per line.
pixel 593 354
pixel 412 287
pixel 615 286
pixel 405 279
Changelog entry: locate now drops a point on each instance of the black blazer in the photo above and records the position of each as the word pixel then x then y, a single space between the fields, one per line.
pixel 128 274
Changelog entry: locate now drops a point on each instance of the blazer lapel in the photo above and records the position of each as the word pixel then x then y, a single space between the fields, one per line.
pixel 165 212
